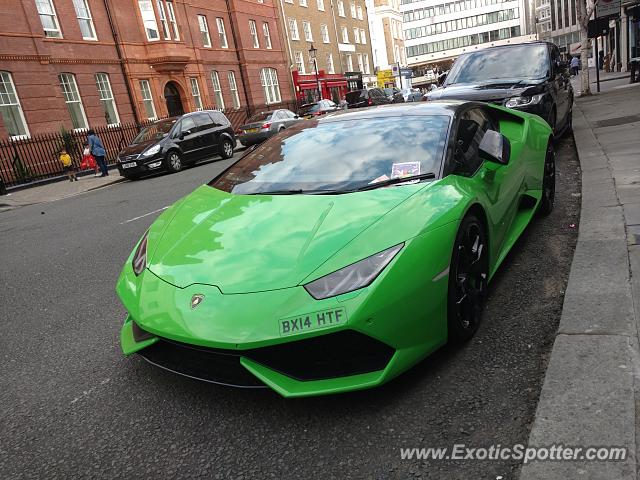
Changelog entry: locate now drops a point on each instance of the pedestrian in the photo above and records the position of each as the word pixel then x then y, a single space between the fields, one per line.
pixel 96 148
pixel 67 164
pixel 575 64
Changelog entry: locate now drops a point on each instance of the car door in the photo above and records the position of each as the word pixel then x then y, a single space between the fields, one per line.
pixel 187 138
pixel 559 86
pixel 206 142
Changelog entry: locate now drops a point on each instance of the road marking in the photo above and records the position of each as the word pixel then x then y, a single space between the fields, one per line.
pixel 145 215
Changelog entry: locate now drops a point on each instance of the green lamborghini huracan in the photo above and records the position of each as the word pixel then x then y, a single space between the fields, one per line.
pixel 340 252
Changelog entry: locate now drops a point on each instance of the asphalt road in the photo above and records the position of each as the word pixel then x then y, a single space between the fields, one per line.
pixel 74 407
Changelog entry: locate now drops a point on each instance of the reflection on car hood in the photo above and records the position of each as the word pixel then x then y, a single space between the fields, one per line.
pixel 486 92
pixel 251 243
pixel 137 148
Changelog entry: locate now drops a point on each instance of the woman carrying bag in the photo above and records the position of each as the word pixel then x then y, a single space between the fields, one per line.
pixel 96 148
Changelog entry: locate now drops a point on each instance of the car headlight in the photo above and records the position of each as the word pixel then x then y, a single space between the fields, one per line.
pixel 139 262
pixel 151 151
pixel 353 277
pixel 522 101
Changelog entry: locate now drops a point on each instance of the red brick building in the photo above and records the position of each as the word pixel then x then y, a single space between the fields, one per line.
pixel 82 63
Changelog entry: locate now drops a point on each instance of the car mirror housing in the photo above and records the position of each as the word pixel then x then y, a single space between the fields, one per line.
pixel 495 147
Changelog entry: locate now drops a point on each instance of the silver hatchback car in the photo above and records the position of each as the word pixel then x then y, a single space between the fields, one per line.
pixel 264 125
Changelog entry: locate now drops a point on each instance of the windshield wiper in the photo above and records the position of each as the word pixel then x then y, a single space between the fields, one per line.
pixel 397 180
pixel 297 191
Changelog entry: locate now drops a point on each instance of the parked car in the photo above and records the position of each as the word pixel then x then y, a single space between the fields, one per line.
pixel 366 98
pixel 529 76
pixel 172 143
pixel 264 125
pixel 316 109
pixel 394 95
pixel 411 95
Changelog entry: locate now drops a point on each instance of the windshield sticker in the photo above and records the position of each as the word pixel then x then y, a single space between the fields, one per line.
pixel 381 178
pixel 406 169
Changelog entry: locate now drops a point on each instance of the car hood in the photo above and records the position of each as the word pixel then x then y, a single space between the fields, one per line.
pixel 253 243
pixel 492 92
pixel 137 148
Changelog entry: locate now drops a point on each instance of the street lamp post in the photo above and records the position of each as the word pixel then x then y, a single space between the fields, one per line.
pixel 312 54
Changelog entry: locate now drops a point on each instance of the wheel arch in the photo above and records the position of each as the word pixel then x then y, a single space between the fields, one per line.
pixel 477 209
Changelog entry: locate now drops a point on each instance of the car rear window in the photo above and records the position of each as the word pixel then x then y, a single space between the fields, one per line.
pixel 260 117
pixel 310 108
pixel 353 97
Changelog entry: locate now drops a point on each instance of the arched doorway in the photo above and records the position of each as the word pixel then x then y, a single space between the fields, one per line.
pixel 172 97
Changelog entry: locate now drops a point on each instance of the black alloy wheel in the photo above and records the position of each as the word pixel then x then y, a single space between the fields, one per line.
pixel 548 181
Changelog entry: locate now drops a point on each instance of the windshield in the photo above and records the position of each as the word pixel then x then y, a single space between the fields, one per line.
pixel 352 97
pixel 389 91
pixel 260 117
pixel 340 156
pixel 521 62
pixel 154 132
pixel 309 108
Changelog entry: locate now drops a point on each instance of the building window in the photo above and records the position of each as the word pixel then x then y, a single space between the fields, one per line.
pixel 299 58
pixel 269 79
pixel 163 21
pixel 217 91
pixel 254 33
pixel 356 35
pixel 293 29
pixel 149 19
pixel 363 37
pixel 147 100
pixel 345 35
pixel 73 100
pixel 321 5
pixel 195 93
pixel 341 8
pixel 84 19
pixel 48 18
pixel 349 63
pixel 10 108
pixel 360 63
pixel 306 28
pixel 221 33
pixel 106 99
pixel 367 68
pixel 267 34
pixel 324 31
pixel 330 67
pixel 303 3
pixel 233 86
pixel 204 31
pixel 360 17
pixel 353 9
pixel 172 21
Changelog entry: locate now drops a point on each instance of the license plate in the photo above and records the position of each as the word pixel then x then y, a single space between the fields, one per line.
pixel 312 321
pixel 251 130
pixel 129 165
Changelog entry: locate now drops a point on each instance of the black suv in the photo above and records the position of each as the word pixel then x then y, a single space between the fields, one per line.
pixel 366 98
pixel 526 76
pixel 172 143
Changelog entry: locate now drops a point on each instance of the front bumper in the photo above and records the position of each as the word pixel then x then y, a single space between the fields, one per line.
pixel 143 165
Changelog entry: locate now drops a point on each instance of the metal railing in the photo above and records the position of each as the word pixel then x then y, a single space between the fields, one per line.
pixel 37 157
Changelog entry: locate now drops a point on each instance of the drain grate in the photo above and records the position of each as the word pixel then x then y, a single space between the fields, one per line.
pixel 612 122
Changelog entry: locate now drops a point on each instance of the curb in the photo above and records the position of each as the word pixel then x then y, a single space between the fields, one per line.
pixel 588 396
pixel 47 181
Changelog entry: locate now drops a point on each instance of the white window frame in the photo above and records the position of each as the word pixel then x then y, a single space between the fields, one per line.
pixel 341 8
pixel 173 21
pixel 195 92
pixel 360 16
pixel 320 4
pixel 300 63
pixel 270 85
pixel 204 31
pixel 149 21
pixel 306 29
pixel 349 62
pixel 267 35
pixel 253 31
pixel 356 35
pixel 345 34
pixel 105 93
pixel 164 23
pixel 330 66
pixel 78 6
pixel 367 65
pixel 222 33
pixel 293 29
pixel 147 99
pixel 324 33
pixel 217 90
pixel 303 3
pixel 49 32
pixel 9 98
pixel 363 37
pixel 352 8
pixel 360 62
pixel 233 86
pixel 71 95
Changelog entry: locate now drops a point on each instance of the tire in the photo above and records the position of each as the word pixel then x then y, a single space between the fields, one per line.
pixel 468 273
pixel 548 181
pixel 226 148
pixel 553 118
pixel 568 127
pixel 173 162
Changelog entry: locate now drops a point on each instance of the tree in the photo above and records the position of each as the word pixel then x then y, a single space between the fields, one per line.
pixel 585 10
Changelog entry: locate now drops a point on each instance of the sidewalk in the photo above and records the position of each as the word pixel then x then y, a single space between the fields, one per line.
pixel 591 389
pixel 56 190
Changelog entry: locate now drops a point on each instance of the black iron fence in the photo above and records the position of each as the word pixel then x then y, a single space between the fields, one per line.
pixel 37 157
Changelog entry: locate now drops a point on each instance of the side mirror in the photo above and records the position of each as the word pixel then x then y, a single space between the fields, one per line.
pixel 296 116
pixel 495 147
